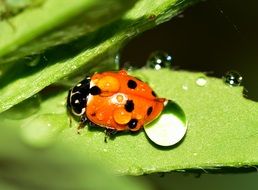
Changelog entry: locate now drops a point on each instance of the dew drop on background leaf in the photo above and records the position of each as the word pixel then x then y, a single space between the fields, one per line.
pixel 118 59
pixel 185 87
pixel 169 128
pixel 158 60
pixel 201 81
pixel 127 66
pixel 233 78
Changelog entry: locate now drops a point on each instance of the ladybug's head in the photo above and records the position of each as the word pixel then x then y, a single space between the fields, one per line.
pixel 78 97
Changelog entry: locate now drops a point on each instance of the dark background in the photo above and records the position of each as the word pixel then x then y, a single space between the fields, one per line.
pixel 214 37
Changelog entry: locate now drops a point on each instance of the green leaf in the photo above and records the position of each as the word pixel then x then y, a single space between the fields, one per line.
pixel 222 130
pixel 20 81
pixel 58 167
pixel 47 15
pixel 50 28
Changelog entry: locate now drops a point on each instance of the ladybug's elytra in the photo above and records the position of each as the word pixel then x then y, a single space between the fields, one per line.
pixel 115 101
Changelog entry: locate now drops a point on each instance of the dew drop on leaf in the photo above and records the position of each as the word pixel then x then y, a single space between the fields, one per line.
pixel 169 128
pixel 185 87
pixel 158 60
pixel 201 81
pixel 117 59
pixel 233 78
pixel 128 67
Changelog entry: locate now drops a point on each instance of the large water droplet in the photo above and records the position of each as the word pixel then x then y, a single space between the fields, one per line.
pixel 170 127
pixel 233 78
pixel 24 109
pixel 201 81
pixel 159 59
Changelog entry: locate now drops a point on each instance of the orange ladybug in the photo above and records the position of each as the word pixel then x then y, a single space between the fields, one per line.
pixel 115 101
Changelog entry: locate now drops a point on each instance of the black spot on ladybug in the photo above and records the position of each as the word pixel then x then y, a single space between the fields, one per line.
pixel 132 123
pixel 129 106
pixel 149 110
pixel 93 114
pixel 131 84
pixel 95 90
pixel 153 94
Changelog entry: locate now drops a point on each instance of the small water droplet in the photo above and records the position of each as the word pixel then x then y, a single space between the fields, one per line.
pixel 185 87
pixel 159 59
pixel 201 81
pixel 127 66
pixel 24 109
pixel 117 59
pixel 181 16
pixel 195 154
pixel 33 61
pixel 170 127
pixel 233 78
pixel 135 170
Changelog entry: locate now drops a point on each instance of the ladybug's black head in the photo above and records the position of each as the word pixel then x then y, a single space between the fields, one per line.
pixel 78 96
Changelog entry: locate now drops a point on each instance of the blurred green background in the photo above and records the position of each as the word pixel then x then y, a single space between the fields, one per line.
pixel 214 37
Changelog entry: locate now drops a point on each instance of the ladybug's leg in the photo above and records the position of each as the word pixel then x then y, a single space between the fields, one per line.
pixel 109 133
pixel 83 122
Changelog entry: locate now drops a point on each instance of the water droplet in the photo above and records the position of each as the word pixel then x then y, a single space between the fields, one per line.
pixel 41 131
pixel 24 109
pixel 233 78
pixel 170 127
pixel 137 170
pixel 201 81
pixel 33 61
pixel 117 59
pixel 185 87
pixel 127 66
pixel 159 59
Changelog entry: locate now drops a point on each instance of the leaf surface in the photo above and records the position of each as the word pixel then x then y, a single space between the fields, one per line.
pixel 222 128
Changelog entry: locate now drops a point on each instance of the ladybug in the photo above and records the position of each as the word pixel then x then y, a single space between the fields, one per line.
pixel 115 101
